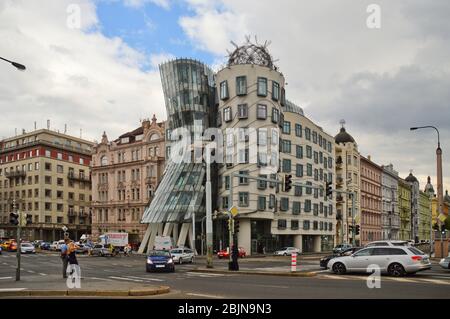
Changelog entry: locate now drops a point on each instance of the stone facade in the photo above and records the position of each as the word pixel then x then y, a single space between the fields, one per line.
pixel 390 219
pixel 404 205
pixel 125 174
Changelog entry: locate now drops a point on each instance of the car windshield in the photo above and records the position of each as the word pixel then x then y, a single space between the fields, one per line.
pixel 284 248
pixel 159 253
pixel 176 251
pixel 26 245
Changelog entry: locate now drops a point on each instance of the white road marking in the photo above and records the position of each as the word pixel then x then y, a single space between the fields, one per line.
pixel 145 278
pixel 270 286
pixel 12 289
pixel 204 295
pixel 31 271
pixel 333 277
pixel 5 277
pixel 204 274
pixel 437 281
pixel 321 271
pixel 95 278
pixel 42 274
pixel 129 279
pixel 403 280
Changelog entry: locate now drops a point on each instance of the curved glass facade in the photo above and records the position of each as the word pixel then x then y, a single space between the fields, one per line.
pixel 189 94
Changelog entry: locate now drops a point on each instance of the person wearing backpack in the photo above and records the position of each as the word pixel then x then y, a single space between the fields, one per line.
pixel 64 257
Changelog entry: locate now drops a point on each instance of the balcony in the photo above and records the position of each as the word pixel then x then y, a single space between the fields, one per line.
pixel 14 174
pixel 72 213
pixel 78 177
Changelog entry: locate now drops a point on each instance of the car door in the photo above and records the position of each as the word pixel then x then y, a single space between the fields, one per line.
pixel 381 257
pixel 358 261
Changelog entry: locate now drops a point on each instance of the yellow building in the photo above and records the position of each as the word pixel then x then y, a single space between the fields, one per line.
pixel 404 207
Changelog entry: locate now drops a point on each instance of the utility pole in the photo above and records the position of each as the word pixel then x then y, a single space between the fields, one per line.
pixel 209 230
pixel 18 239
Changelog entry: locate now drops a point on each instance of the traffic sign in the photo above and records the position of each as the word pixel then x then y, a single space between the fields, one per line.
pixel 442 217
pixel 234 211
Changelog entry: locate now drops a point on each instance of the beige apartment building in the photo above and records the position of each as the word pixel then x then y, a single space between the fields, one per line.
pixel 47 175
pixel 125 174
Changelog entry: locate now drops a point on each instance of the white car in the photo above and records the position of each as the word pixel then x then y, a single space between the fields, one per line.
pixel 388 243
pixel 27 248
pixel 56 245
pixel 287 251
pixel 396 261
pixel 181 255
pixel 445 262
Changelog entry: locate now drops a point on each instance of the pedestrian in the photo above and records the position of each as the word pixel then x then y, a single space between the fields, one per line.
pixel 64 256
pixel 71 253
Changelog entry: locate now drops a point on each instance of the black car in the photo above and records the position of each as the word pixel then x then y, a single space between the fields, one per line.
pixel 324 261
pixel 160 260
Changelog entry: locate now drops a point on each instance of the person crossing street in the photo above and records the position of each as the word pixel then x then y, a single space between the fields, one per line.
pixel 64 257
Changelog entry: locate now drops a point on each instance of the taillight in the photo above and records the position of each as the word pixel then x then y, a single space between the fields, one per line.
pixel 416 258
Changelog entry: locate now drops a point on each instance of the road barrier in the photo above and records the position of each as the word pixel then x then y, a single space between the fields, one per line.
pixel 293 262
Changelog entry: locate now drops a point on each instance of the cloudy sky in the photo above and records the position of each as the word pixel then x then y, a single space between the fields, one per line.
pixel 101 74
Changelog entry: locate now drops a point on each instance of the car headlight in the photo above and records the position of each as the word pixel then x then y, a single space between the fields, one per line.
pixel 442 260
pixel 149 261
pixel 170 261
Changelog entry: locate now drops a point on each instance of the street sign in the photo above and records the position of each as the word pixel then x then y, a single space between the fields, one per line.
pixel 234 211
pixel 442 217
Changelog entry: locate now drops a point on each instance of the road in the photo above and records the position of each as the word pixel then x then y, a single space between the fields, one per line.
pixel 42 271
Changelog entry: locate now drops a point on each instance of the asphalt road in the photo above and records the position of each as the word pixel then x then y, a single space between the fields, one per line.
pixel 43 271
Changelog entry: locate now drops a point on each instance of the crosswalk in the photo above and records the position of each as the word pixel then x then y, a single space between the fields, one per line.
pixel 416 280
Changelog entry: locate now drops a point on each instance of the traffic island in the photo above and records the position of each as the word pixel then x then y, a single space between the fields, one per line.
pixel 87 293
pixel 257 272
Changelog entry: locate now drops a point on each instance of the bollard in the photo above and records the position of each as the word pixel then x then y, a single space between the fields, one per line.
pixel 293 262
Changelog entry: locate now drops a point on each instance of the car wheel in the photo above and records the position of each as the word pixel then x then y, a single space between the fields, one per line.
pixel 339 268
pixel 396 270
pixel 285 254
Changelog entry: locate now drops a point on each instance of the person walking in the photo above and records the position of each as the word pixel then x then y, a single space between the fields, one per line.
pixel 71 253
pixel 64 257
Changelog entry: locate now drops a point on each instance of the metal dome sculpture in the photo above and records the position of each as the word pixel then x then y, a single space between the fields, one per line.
pixel 251 53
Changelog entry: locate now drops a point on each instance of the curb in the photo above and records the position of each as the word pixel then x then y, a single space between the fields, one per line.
pixel 259 273
pixel 87 293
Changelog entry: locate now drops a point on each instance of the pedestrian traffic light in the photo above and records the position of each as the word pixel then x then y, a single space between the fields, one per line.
pixel 14 219
pixel 29 219
pixel 287 183
pixel 357 229
pixel 236 226
pixel 329 189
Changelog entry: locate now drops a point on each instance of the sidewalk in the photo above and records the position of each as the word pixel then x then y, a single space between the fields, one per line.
pixel 54 285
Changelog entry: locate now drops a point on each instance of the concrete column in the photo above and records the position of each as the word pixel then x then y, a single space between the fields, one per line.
pixel 245 235
pixel 145 239
pixel 317 243
pixel 151 241
pixel 175 233
pixel 298 242
pixel 183 234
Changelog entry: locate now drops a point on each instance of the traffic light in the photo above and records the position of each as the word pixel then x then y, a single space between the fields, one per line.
pixel 236 226
pixel 350 229
pixel 287 183
pixel 329 189
pixel 14 219
pixel 29 219
pixel 357 230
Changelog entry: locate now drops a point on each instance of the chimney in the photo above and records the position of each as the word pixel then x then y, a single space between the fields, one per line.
pixel 368 157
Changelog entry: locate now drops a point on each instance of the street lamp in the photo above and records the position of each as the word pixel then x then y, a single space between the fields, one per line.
pixel 440 191
pixel 18 66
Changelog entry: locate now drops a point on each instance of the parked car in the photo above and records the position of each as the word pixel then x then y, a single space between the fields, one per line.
pixel 45 245
pixel 341 247
pixel 388 243
pixel 324 261
pixel 56 245
pixel 5 245
pixel 181 255
pixel 160 260
pixel 445 262
pixel 27 248
pixel 225 254
pixel 286 251
pixel 102 250
pixel 12 246
pixel 396 261
pixel 0 250
pixel 82 249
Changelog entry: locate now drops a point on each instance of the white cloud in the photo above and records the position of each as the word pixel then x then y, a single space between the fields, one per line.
pixel 157 59
pixel 76 77
pixel 140 3
pixel 381 80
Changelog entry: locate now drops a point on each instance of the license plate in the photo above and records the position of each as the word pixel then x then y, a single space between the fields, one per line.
pixel 160 266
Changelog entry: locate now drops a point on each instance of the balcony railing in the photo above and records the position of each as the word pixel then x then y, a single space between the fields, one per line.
pixel 78 177
pixel 14 174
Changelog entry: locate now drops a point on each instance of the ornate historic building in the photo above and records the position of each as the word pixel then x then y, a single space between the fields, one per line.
pixel 390 218
pixel 125 174
pixel 404 207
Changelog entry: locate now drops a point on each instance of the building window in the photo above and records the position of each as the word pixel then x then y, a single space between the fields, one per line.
pixel 59 169
pixel 261 111
pixel 243 199
pixel 262 184
pixel 241 85
pixel 262 159
pixel 275 115
pixel 306 224
pixel 286 146
pixel 242 111
pixel 298 130
pixel 261 203
pixel 227 116
pixel 308 151
pixel 284 204
pixel 308 169
pixel 299 170
pixel 294 224
pixel 298 191
pixel 314 135
pixel 275 91
pixel 262 136
pixel 282 224
pixel 308 134
pixel 272 201
pixel 299 151
pixel 316 209
pixel 315 224
pixel 104 160
pixel 307 206
pixel 244 156
pixel 224 90
pixel 316 157
pixel 219 119
pixel 225 202
pixel 296 208
pixel 48 166
pixel 286 165
pixel 316 174
pixel 47 153
pixel 243 180
pixel 262 86
pixel 286 127
pixel 227 182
